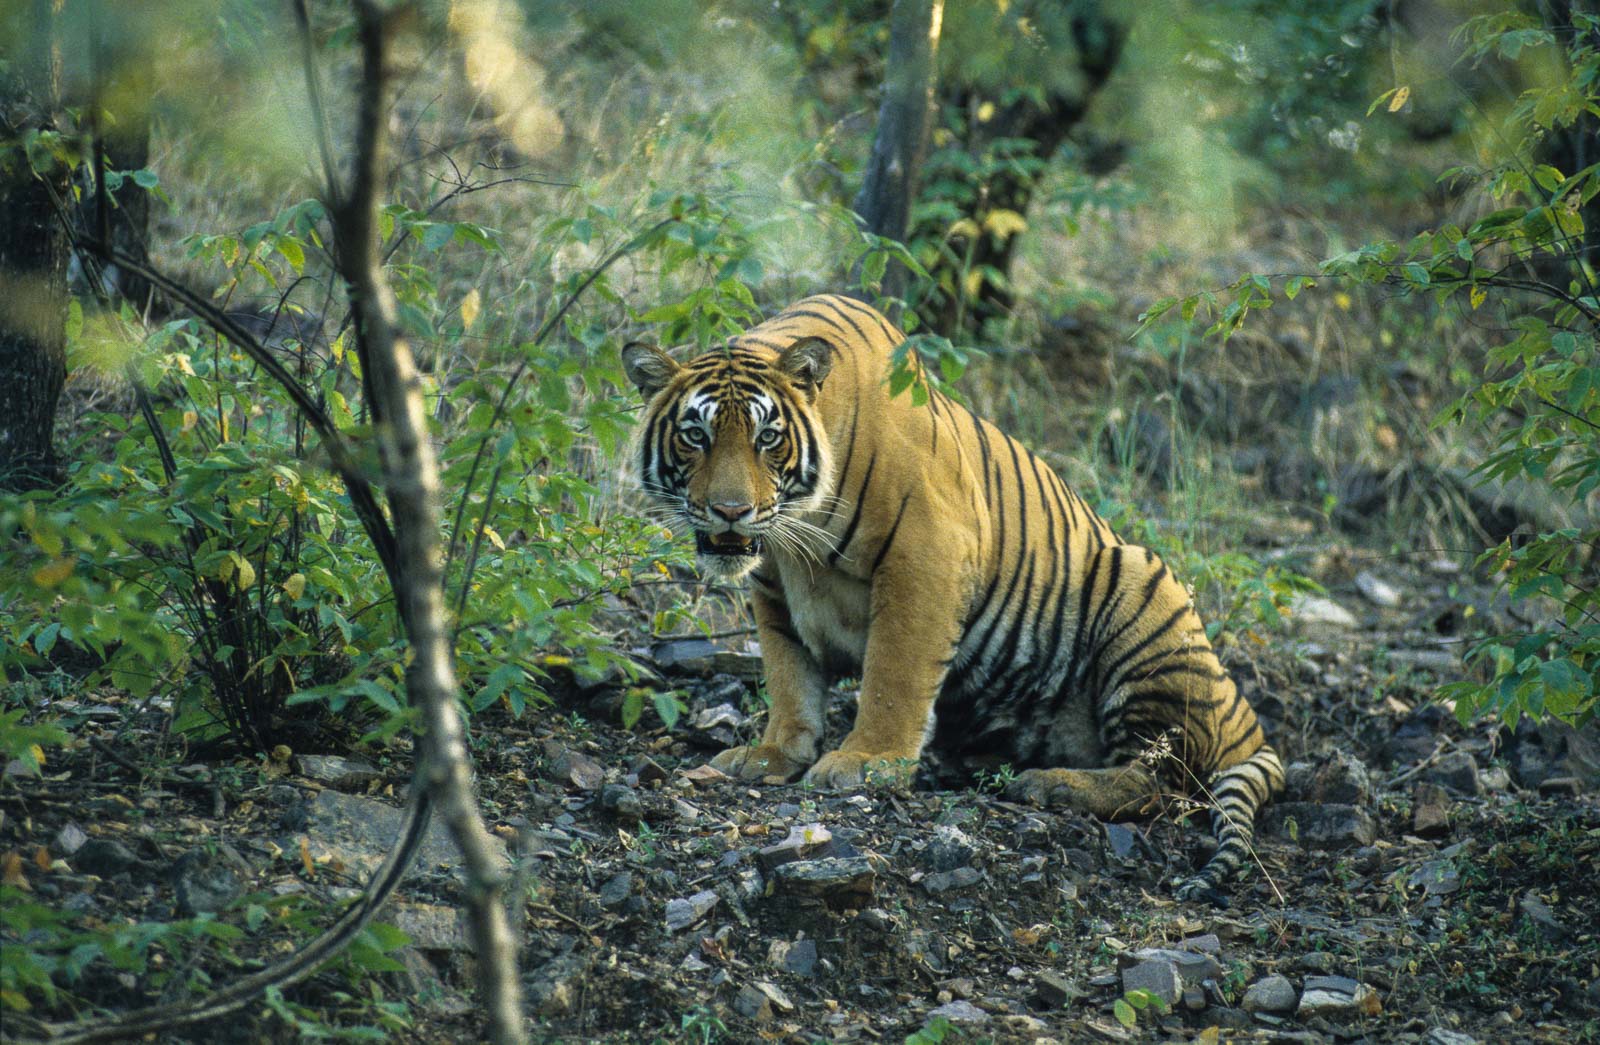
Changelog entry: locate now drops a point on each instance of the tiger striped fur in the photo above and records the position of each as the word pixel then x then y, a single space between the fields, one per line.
pixel 986 609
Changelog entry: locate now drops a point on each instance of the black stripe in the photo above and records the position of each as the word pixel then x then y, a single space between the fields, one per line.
pixel 889 332
pixel 888 540
pixel 850 531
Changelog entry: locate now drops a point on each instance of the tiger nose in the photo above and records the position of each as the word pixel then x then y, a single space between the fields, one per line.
pixel 732 511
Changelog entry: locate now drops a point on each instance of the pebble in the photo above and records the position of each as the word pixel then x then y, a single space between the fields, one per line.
pixel 337 771
pixel 1430 810
pixel 1457 771
pixel 960 878
pixel 1319 610
pixel 1320 826
pixel 801 842
pixel 1441 1036
pixel 1436 878
pixel 1158 976
pixel 1270 994
pixel 616 890
pixel 622 802
pixel 1337 996
pixel 103 857
pixel 836 879
pixel 1123 842
pixel 1052 990
pixel 960 1011
pixel 1377 591
pixel 69 839
pixel 684 912
pixel 1194 968
pixel 951 848
pixel 721 715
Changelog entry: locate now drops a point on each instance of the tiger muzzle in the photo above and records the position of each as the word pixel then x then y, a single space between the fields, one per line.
pixel 726 543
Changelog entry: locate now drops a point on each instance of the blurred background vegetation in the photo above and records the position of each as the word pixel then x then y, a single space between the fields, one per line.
pixel 1111 198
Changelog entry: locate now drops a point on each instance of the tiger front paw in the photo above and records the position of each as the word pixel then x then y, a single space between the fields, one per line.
pixel 756 761
pixel 843 770
pixel 1048 788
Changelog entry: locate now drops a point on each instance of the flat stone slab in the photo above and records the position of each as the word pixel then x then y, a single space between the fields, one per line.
pixel 359 832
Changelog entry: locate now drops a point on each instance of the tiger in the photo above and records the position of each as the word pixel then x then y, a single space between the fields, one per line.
pixel 983 605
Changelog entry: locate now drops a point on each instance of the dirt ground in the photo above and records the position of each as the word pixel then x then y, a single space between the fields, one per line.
pixel 1421 882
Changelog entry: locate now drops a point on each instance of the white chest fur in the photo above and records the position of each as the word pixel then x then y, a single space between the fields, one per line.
pixel 829 610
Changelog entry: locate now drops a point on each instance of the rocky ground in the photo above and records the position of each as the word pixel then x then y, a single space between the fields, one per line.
pixel 1422 882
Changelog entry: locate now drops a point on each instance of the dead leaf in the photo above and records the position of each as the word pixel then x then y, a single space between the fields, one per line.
pixel 41 858
pixel 308 864
pixel 11 871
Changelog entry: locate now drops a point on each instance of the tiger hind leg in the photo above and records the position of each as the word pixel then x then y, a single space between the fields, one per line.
pixel 1110 793
pixel 1237 794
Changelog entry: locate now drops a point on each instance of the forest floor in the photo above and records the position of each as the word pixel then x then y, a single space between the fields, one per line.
pixel 1422 882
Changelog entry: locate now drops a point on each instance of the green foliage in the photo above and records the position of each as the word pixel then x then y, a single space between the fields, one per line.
pixel 1539 394
pixel 935 1032
pixel 1127 1008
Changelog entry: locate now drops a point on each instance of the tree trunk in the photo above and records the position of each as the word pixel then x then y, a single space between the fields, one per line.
pixel 903 121
pixel 33 269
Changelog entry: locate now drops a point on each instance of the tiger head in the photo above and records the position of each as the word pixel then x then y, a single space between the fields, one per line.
pixel 731 446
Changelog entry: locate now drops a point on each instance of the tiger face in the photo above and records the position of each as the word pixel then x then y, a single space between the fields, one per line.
pixel 731 446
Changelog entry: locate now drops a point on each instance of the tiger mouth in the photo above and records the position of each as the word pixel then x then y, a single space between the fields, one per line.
pixel 729 543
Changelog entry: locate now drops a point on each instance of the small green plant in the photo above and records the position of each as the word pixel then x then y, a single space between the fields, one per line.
pixel 934 1032
pixel 702 1025
pixel 1128 1007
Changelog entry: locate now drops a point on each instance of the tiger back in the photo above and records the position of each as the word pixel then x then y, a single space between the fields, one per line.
pixel 986 609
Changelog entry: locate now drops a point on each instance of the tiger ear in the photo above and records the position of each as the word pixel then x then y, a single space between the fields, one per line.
pixel 807 362
pixel 648 367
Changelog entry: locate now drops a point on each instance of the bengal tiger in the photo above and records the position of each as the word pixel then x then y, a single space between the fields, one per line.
pixel 983 605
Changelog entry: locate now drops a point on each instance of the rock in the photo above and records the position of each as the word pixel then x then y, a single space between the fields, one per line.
pixel 1123 842
pixel 1538 912
pixel 950 849
pixel 1319 611
pixel 780 1001
pixel 432 927
pixel 1206 944
pixel 1436 878
pixel 1377 591
pixel 800 843
pixel 616 890
pixel 1272 994
pixel 1032 832
pixel 646 771
pixel 555 987
pixel 1560 785
pixel 69 840
pixel 1052 990
pixel 103 857
pixel 1430 810
pixel 573 768
pixel 1194 999
pixel 721 715
pixel 1438 661
pixel 684 912
pixel 1318 962
pixel 424 987
pixel 1416 738
pixel 959 1011
pixel 1537 752
pixel 1158 976
pixel 703 657
pixel 752 1004
pixel 1320 826
pixel 1194 968
pixel 359 831
pixel 203 883
pixel 1337 996
pixel 838 880
pixel 1340 778
pixel 622 802
pixel 960 878
pixel 1440 1036
pixel 798 958
pixel 1456 770
pixel 336 771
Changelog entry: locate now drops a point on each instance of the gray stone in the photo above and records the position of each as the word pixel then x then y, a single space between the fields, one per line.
pixel 1204 944
pixel 1052 990
pixel 203 883
pixel 752 1004
pixel 950 849
pixel 1195 968
pixel 103 857
pixel 69 840
pixel 960 1011
pixel 646 770
pixel 684 912
pixel 1441 1036
pixel 573 768
pixel 780 1001
pixel 1377 591
pixel 703 657
pixel 1319 826
pixel 622 802
pixel 1123 842
pixel 1537 752
pixel 1158 976
pixel 555 988
pixel 801 842
pixel 798 958
pixel 359 832
pixel 1436 878
pixel 1194 999
pixel 960 878
pixel 1319 611
pixel 1456 770
pixel 1271 994
pixel 1032 832
pixel 1337 996
pixel 1319 962
pixel 1430 810
pixel 1338 779
pixel 836 879
pixel 1539 913
pixel 337 771
pixel 721 715
pixel 432 927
